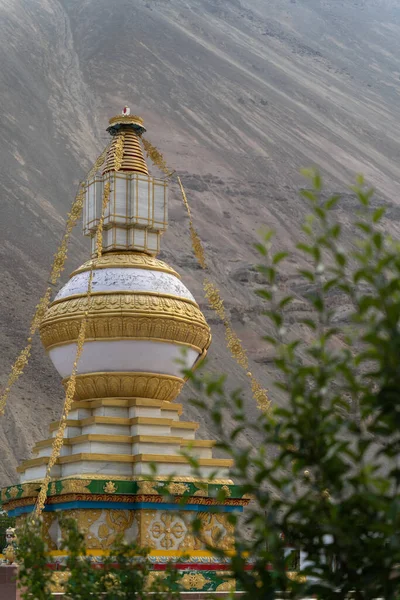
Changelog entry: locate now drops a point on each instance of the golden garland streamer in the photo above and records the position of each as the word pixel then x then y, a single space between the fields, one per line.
pixel 58 266
pixel 70 391
pixel 196 241
pixel 234 344
pixel 99 232
pixel 211 291
pixel 69 398
pixel 156 157
pixel 119 151
pixel 60 256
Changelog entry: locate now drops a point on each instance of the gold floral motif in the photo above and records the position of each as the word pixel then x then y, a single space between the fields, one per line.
pixel 117 385
pixel 111 524
pixel 193 581
pixel 153 577
pixel 57 581
pixel 147 487
pixel 227 586
pixel 178 488
pixel 85 518
pixel 13 492
pixel 116 523
pixel 75 486
pixel 227 491
pixel 203 489
pixel 110 487
pixel 217 531
pixel 167 529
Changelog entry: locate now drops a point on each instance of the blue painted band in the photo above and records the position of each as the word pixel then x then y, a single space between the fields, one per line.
pixel 126 506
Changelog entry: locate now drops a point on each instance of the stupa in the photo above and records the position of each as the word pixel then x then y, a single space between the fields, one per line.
pixel 124 418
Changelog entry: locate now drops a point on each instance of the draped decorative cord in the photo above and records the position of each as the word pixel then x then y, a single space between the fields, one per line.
pixel 212 292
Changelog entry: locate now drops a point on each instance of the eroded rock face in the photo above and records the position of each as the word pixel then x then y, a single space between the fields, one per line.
pixel 238 95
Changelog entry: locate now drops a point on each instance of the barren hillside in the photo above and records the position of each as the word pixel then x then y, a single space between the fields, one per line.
pixel 238 95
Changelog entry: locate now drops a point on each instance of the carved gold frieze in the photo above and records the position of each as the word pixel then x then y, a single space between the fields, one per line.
pixel 142 385
pixel 123 327
pixel 127 303
pixel 166 530
pixel 126 260
pixel 75 486
pixel 101 527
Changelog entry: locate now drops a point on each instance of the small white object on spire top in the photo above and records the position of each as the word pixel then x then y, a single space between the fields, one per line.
pixel 126 111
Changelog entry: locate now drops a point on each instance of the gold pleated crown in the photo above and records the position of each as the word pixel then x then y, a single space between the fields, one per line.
pixel 132 156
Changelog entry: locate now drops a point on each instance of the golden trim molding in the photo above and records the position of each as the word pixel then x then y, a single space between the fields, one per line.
pixel 126 260
pixel 64 333
pixel 127 120
pixel 127 384
pixel 140 299
pixel 127 403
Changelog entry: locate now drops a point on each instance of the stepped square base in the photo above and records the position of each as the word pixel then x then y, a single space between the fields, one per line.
pixel 155 514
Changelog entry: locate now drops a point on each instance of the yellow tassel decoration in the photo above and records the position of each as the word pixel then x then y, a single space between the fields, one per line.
pixel 211 291
pixel 70 391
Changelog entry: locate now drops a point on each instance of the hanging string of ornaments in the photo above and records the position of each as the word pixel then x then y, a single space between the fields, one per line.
pixel 58 441
pixel 57 268
pixel 211 291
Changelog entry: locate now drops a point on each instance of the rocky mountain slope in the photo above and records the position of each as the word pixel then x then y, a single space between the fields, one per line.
pixel 238 95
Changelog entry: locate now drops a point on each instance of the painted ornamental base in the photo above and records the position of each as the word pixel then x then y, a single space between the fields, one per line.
pixel 104 480
pixel 154 514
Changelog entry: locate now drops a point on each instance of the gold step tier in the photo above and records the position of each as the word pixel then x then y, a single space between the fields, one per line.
pixel 124 458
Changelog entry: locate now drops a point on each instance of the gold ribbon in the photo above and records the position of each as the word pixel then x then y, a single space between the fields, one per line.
pixel 70 391
pixel 69 398
pixel 156 157
pixel 119 151
pixel 211 291
pixel 60 258
pixel 99 232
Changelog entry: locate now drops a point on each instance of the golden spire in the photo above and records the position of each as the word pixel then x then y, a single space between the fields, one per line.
pixel 125 153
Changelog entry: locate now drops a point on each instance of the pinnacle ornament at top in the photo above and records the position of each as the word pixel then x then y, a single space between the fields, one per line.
pixel 137 211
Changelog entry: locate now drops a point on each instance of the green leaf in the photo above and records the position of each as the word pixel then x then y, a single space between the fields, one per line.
pixel 279 256
pixel 378 214
pixel 307 274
